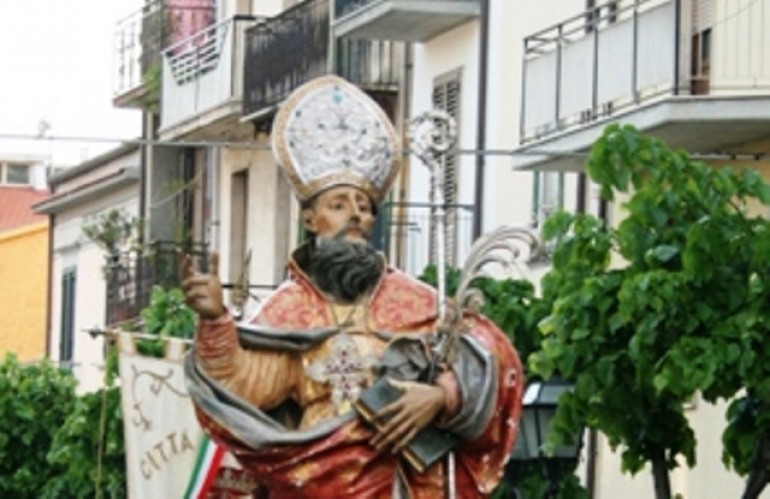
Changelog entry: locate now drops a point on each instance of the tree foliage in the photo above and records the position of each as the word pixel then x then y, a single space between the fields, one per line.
pixel 35 400
pixel 89 450
pixel 167 315
pixel 52 442
pixel 669 303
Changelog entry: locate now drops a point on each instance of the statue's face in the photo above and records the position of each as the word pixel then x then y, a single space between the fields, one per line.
pixel 341 208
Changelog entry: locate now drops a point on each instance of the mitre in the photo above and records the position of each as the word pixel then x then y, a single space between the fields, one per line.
pixel 329 133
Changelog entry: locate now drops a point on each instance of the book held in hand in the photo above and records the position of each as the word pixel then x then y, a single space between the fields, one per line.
pixel 427 447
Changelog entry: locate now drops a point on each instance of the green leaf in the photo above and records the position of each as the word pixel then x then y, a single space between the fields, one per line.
pixel 664 252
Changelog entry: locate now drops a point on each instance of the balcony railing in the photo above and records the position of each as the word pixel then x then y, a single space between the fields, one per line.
pixel 290 49
pixel 405 234
pixel 131 277
pixel 203 72
pixel 141 37
pixel 614 56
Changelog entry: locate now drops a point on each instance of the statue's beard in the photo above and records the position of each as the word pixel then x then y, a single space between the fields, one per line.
pixel 345 270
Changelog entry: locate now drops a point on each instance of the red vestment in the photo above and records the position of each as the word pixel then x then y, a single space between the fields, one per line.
pixel 341 463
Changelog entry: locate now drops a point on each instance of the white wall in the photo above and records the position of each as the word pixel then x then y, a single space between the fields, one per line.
pixel 740 54
pixel 271 217
pixel 508 193
pixel 71 248
pixel 452 50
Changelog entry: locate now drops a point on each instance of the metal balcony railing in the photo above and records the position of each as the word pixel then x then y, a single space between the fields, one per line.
pixel 131 276
pixel 140 38
pixel 405 234
pixel 371 64
pixel 616 55
pixel 292 48
pixel 203 71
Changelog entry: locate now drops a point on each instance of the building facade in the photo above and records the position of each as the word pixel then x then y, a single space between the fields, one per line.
pixel 531 84
pixel 79 291
pixel 23 257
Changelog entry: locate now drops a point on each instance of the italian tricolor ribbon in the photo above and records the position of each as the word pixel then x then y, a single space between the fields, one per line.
pixel 207 464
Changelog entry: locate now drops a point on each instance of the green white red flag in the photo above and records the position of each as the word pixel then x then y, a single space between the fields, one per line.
pixel 207 466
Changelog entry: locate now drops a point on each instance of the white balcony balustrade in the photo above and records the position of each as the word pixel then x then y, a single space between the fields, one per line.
pixel 202 81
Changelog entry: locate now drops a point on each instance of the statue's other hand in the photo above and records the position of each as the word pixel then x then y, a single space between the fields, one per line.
pixel 202 291
pixel 419 405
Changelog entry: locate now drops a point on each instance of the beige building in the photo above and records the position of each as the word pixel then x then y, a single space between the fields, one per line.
pixel 693 73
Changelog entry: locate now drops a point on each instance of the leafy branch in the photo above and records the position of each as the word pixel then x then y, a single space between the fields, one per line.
pixel 670 302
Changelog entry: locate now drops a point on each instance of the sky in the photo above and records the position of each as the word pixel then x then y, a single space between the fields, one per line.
pixel 56 65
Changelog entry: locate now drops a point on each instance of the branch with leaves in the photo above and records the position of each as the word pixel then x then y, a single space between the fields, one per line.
pixel 670 302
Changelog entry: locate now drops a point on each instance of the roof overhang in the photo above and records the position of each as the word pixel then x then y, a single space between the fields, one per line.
pixel 98 188
pixel 405 20
pixel 701 125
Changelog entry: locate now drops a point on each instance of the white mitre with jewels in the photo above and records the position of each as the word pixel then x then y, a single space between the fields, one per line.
pixel 330 133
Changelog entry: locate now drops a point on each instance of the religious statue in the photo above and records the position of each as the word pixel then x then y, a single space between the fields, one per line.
pixel 280 391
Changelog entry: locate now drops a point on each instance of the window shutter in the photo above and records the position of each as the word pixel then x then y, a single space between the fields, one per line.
pixel 446 97
pixel 67 339
pixel 703 15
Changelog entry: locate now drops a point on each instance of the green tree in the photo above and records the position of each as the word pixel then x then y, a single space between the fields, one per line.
pixel 89 449
pixel 670 302
pixel 35 400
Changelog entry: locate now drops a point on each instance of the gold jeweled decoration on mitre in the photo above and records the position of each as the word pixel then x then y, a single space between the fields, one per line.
pixel 330 133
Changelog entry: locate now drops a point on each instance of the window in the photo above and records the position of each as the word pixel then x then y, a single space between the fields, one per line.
pixel 700 50
pixel 67 339
pixel 15 174
pixel 446 96
pixel 548 196
pixel 239 209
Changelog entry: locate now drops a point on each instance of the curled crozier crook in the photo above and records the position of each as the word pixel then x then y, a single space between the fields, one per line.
pixel 506 247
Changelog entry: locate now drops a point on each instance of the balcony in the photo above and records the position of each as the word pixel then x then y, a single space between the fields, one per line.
pixel 403 20
pixel 403 234
pixel 131 277
pixel 202 83
pixel 139 40
pixel 705 89
pixel 292 48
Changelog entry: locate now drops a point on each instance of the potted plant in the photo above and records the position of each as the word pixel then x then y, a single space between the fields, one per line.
pixel 114 231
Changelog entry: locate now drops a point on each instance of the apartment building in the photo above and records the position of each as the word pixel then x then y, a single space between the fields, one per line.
pixel 694 73
pixel 531 84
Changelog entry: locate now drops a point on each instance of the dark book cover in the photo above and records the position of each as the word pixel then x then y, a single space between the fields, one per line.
pixel 427 447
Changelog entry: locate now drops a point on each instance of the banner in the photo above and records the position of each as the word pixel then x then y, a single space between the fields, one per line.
pixel 162 435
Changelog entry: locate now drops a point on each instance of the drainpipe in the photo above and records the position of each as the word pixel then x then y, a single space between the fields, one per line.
pixel 582 193
pixel 481 125
pixel 49 297
pixel 677 43
pixel 332 41
pixel 143 168
pixel 404 116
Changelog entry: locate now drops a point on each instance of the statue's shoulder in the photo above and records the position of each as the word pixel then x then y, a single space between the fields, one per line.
pixel 293 304
pixel 396 280
pixel 402 302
